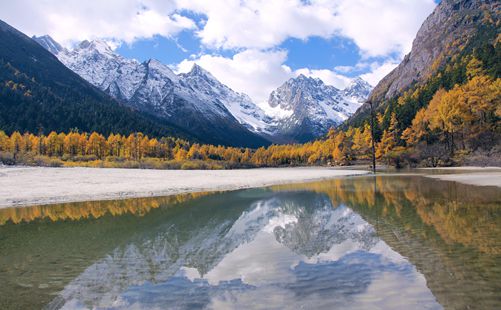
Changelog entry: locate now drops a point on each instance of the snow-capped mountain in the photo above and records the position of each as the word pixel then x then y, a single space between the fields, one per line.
pixel 282 241
pixel 195 101
pixel 240 105
pixel 49 44
pixel 310 107
pixel 357 91
pixel 301 109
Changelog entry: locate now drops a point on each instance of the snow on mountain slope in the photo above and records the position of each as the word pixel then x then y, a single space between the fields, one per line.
pixel 301 109
pixel 97 63
pixel 309 107
pixel 49 44
pixel 152 83
pixel 240 105
pixel 154 88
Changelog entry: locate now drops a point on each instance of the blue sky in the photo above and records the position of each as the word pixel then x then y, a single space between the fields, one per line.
pixel 313 53
pixel 253 46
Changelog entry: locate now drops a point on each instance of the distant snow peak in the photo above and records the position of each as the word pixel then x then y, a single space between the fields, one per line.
pixel 313 107
pixel 49 44
pixel 301 109
pixel 241 107
pixel 199 71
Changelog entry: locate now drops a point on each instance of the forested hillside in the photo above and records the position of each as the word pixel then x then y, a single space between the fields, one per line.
pixel 450 112
pixel 38 93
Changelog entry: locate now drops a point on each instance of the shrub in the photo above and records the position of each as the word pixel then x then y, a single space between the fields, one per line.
pixel 7 158
pixel 46 161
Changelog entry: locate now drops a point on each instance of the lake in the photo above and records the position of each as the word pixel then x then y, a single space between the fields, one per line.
pixel 386 242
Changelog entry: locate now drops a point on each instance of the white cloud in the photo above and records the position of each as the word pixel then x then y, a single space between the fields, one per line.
pixel 381 27
pixel 253 28
pixel 327 76
pixel 259 23
pixel 257 73
pixel 379 71
pixel 253 72
pixel 71 21
pixel 378 27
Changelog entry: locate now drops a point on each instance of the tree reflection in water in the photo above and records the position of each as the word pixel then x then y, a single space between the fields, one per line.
pixel 344 242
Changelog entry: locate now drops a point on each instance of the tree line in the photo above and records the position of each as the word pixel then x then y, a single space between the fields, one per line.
pixel 455 113
pixel 337 148
pixel 457 121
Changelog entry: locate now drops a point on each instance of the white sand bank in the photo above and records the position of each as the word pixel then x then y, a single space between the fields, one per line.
pixel 21 186
pixel 480 176
pixel 479 179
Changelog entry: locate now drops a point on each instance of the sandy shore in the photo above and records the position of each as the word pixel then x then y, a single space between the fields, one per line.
pixel 21 186
pixel 490 178
pixel 479 176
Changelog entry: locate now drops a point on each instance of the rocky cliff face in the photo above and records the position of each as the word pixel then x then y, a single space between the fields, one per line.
pixel 444 32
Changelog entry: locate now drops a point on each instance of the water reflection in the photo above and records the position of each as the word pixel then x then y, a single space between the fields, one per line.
pixel 91 209
pixel 394 242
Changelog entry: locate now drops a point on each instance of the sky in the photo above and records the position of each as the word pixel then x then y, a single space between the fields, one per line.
pixel 253 46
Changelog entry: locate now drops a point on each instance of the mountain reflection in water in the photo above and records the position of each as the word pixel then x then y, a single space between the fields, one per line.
pixel 389 242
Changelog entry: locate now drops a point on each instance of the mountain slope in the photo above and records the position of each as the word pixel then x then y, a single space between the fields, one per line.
pixel 198 102
pixel 40 93
pixel 455 26
pixel 49 44
pixel 440 106
pixel 239 105
pixel 152 87
pixel 310 107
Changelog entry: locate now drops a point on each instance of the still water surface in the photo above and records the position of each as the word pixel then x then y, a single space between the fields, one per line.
pixel 395 242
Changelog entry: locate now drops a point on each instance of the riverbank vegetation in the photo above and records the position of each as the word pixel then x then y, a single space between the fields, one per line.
pixel 453 118
pixel 140 151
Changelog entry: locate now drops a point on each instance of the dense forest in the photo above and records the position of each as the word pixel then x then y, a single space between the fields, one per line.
pixel 452 118
pixel 38 93
pixel 440 123
pixel 140 151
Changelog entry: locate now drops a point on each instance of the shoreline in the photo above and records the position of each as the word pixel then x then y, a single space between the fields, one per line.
pixel 477 176
pixel 28 186
pixel 22 186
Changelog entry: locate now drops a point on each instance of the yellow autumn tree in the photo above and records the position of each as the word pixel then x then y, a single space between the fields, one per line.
pixel 389 139
pixel 418 129
pixel 16 143
pixel 4 141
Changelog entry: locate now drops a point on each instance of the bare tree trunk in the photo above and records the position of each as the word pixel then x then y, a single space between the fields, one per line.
pixel 373 140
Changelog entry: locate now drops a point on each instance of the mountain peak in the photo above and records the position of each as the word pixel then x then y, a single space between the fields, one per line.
pixel 309 107
pixel 48 43
pixel 99 45
pixel 360 83
pixel 358 80
pixel 358 89
pixel 197 70
pixel 301 77
pixel 159 69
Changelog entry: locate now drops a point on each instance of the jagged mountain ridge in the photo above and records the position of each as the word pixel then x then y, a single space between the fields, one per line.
pixel 197 97
pixel 39 94
pixel 239 105
pixel 154 88
pixel 311 107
